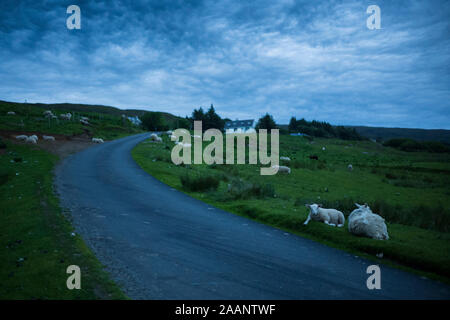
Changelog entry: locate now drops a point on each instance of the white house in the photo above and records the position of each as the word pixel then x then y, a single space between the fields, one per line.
pixel 240 126
pixel 135 120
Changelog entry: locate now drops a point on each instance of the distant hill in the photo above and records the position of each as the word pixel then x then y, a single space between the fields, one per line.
pixel 416 134
pixel 80 108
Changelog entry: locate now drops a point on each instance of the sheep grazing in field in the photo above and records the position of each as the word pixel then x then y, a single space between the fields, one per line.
pixel 350 167
pixel 285 158
pixel 158 139
pixel 48 114
pixel 363 222
pixel 153 136
pixel 331 217
pixel 48 138
pixel 66 116
pixel 84 118
pixel 323 148
pixel 11 113
pixel 97 140
pixel 169 132
pixel 282 169
pixel 85 122
pixel 22 137
pixel 32 139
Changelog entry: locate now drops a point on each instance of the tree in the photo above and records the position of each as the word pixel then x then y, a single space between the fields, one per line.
pixel 210 119
pixel 153 121
pixel 292 124
pixel 266 122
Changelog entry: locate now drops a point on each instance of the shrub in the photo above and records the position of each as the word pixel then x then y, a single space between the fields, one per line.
pixel 239 189
pixel 2 144
pixel 200 183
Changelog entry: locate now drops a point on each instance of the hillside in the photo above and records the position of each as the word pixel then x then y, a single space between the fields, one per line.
pixel 440 135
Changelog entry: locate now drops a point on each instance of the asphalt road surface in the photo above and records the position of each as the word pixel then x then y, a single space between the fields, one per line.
pixel 159 243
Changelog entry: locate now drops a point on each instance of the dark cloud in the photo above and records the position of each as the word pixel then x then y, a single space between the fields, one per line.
pixel 291 58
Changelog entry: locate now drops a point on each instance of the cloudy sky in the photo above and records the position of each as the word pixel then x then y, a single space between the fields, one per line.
pixel 311 59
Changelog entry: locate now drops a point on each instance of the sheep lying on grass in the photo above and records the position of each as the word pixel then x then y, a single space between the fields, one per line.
pixel 11 113
pixel 48 138
pixel 285 158
pixel 97 140
pixel 363 222
pixel 282 169
pixel 331 217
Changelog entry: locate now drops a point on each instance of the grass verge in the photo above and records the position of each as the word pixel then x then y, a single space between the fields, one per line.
pixel 36 239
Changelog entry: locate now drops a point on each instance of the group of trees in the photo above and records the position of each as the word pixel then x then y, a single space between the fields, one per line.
pixel 155 121
pixel 323 129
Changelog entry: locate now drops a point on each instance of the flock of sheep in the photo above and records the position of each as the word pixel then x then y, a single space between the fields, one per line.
pixel 361 222
pixel 49 115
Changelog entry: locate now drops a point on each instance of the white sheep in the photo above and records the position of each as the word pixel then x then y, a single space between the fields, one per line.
pixel 158 139
pixel 66 116
pixel 285 158
pixel 48 114
pixel 282 169
pixel 350 167
pixel 97 140
pixel 323 148
pixel 169 132
pixel 153 136
pixel 32 139
pixel 85 122
pixel 11 113
pixel 331 217
pixel 48 138
pixel 22 137
pixel 363 222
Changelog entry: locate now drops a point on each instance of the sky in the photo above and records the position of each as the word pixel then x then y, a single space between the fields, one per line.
pixel 308 59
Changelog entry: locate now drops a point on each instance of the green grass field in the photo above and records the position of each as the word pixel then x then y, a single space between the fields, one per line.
pixel 35 235
pixel 410 190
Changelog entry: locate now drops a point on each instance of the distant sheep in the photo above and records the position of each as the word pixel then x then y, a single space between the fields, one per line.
pixel 32 139
pixel 282 169
pixel 85 122
pixel 22 137
pixel 66 116
pixel 363 222
pixel 350 167
pixel 11 113
pixel 158 139
pixel 169 132
pixel 97 140
pixel 323 148
pixel 48 114
pixel 331 217
pixel 153 136
pixel 48 138
pixel 285 158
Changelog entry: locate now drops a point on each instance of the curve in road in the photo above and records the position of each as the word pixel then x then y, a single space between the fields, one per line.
pixel 159 243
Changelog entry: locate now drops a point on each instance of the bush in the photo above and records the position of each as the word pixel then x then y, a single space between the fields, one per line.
pixel 202 183
pixel 2 144
pixel 239 189
pixel 410 145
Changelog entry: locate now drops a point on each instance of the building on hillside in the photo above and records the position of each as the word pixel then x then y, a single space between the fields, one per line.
pixel 135 120
pixel 299 134
pixel 240 126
